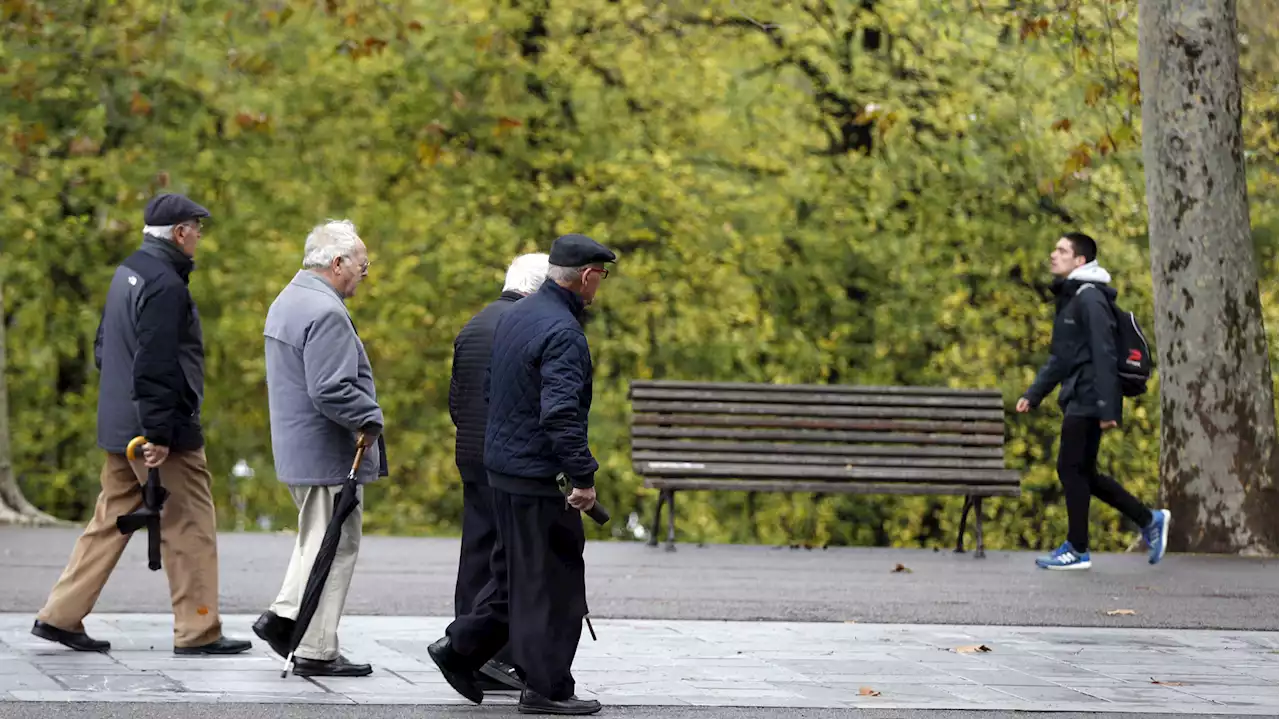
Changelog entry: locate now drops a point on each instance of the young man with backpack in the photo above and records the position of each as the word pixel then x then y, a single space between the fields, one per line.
pixel 1098 356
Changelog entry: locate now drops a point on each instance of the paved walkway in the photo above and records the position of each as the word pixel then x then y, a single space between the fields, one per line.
pixel 698 663
pixel 414 576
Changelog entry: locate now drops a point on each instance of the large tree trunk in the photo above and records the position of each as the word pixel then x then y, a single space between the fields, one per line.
pixel 1218 452
pixel 14 508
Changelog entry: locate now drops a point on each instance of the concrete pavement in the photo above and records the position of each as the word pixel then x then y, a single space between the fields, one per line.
pixel 663 663
pixel 625 580
pixel 814 633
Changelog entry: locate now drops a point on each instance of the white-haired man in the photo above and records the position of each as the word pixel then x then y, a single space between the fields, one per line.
pixel 469 409
pixel 321 397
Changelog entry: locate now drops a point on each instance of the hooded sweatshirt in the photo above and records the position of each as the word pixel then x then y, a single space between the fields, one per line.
pixel 1082 353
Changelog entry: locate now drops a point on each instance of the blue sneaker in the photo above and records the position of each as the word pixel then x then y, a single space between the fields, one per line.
pixel 1065 557
pixel 1156 534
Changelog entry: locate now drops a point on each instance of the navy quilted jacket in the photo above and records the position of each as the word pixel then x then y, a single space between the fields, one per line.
pixel 539 391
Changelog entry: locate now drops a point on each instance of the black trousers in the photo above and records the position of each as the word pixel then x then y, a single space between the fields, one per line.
pixel 537 597
pixel 1078 472
pixel 479 543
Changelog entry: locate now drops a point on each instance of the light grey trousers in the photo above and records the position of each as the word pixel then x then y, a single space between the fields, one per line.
pixel 315 508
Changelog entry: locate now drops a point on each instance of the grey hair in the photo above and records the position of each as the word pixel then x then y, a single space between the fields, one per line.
pixel 329 241
pixel 526 273
pixel 556 273
pixel 162 232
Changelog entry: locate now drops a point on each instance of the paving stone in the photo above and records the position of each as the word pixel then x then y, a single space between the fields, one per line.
pixel 118 682
pixel 28 682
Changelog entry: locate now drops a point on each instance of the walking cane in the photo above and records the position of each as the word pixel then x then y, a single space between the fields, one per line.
pixel 597 513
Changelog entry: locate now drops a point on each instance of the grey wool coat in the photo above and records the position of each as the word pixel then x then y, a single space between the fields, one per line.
pixel 320 390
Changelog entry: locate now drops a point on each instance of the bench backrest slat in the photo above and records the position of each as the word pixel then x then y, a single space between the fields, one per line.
pixel 746 431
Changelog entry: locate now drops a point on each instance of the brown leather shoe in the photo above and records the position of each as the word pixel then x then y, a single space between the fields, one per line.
pixel 78 641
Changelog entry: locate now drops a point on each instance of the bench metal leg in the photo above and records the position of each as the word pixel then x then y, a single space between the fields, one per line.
pixel 981 551
pixel 657 519
pixel 671 520
pixel 964 516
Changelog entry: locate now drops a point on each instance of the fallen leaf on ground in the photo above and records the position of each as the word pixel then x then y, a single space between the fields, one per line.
pixel 868 692
pixel 1121 613
pixel 1166 684
pixel 972 649
pixel 901 568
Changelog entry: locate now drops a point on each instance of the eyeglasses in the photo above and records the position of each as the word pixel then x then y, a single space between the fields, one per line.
pixel 364 266
pixel 604 272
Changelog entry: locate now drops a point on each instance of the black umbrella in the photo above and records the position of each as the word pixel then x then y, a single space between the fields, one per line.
pixel 148 515
pixel 343 506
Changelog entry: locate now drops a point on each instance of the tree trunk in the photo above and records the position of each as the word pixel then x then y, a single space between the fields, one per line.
pixel 1218 451
pixel 14 508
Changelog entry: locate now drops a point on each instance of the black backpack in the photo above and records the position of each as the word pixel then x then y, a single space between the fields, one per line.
pixel 1133 355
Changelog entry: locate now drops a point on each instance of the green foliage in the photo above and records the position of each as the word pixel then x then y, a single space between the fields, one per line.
pixel 853 192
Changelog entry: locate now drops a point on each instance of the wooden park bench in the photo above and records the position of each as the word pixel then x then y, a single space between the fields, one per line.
pixel 823 439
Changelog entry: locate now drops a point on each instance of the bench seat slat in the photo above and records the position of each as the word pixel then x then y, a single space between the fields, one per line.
pixel 818 487
pixel 872 425
pixel 813 411
pixel 904 438
pixel 818 459
pixel 794 448
pixel 816 398
pixel 735 470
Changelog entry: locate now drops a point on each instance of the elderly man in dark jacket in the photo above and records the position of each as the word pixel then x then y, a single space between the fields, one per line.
pixel 539 398
pixel 1082 358
pixel 469 410
pixel 150 351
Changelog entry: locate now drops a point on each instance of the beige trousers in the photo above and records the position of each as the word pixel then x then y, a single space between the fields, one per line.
pixel 315 507
pixel 188 547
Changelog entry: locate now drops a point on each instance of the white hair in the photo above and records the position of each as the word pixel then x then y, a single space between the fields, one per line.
pixel 556 273
pixel 162 232
pixel 526 273
pixel 327 242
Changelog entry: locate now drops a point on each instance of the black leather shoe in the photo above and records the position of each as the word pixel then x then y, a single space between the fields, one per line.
pixel 339 667
pixel 221 645
pixel 276 631
pixel 78 641
pixel 450 664
pixel 496 676
pixel 532 702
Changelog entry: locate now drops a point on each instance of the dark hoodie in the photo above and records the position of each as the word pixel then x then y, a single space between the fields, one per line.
pixel 1082 354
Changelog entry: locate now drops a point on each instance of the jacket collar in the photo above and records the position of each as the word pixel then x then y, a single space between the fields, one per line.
pixel 312 281
pixel 510 296
pixel 169 253
pixel 569 298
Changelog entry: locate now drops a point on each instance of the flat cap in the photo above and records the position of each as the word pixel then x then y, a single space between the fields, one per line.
pixel 170 209
pixel 579 250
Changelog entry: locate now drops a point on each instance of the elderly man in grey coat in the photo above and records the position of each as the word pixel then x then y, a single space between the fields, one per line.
pixel 321 396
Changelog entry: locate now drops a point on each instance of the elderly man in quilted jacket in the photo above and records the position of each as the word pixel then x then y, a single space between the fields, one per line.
pixel 539 392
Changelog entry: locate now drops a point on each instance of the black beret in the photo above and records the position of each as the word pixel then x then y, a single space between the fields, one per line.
pixel 170 209
pixel 579 250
